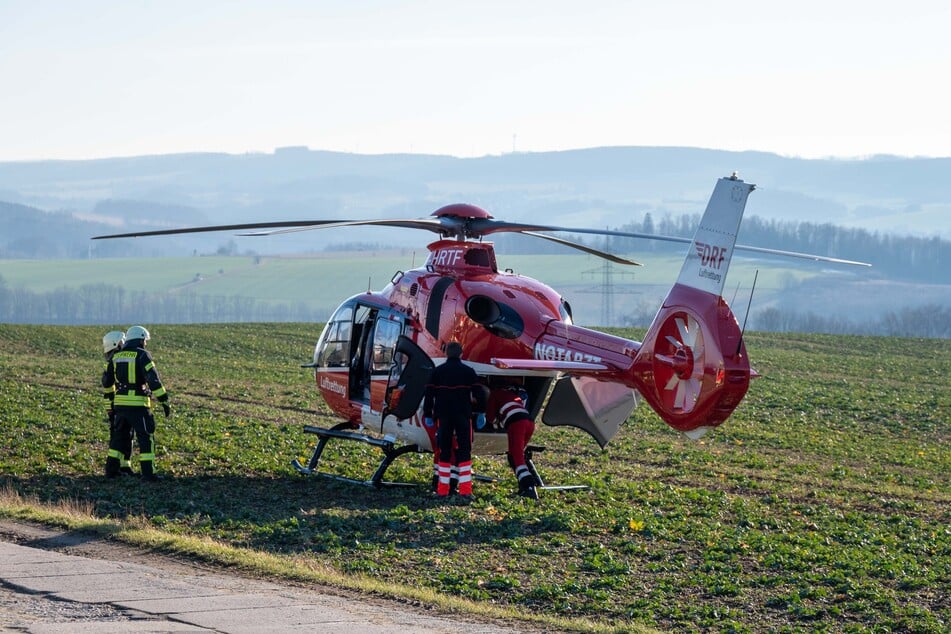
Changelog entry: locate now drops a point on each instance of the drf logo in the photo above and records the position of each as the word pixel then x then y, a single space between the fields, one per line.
pixel 711 256
pixel 446 257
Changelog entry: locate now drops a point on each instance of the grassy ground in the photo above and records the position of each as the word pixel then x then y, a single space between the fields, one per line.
pixel 822 504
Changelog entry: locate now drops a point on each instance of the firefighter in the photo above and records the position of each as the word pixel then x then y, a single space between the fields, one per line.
pixel 508 407
pixel 132 372
pixel 111 343
pixel 450 393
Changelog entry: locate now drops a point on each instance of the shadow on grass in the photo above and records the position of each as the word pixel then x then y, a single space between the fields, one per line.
pixel 296 515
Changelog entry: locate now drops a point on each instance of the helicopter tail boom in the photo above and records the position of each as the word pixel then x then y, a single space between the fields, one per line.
pixel 692 366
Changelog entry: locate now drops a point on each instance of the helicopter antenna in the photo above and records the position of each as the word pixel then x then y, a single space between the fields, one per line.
pixel 735 291
pixel 369 283
pixel 748 306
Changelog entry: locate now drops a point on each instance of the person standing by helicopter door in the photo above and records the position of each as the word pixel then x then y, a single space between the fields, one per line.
pixel 452 389
pixel 111 343
pixel 136 381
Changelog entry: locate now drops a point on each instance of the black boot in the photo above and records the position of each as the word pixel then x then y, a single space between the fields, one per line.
pixel 526 487
pixel 112 467
pixel 148 471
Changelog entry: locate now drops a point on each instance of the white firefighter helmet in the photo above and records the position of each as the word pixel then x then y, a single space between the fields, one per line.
pixel 112 340
pixel 137 332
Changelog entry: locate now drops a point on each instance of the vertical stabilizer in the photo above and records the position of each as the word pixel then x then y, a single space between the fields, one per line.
pixel 692 366
pixel 708 259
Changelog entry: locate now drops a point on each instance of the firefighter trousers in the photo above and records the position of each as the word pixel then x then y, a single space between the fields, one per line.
pixel 137 421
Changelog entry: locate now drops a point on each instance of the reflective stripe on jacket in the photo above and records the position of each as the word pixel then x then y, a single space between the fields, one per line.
pixel 108 393
pixel 507 406
pixel 133 375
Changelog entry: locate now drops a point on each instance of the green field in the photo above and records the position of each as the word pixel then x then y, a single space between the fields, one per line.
pixel 823 504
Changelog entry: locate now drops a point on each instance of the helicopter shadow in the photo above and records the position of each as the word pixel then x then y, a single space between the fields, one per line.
pixel 294 514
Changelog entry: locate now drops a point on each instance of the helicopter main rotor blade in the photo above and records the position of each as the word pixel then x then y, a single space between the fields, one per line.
pixel 796 254
pixel 581 247
pixel 422 223
pixel 480 227
pixel 248 225
pixel 462 228
pixel 738 247
pixel 458 226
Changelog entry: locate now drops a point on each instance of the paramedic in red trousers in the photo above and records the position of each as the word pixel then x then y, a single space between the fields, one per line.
pixel 137 382
pixel 508 408
pixel 450 393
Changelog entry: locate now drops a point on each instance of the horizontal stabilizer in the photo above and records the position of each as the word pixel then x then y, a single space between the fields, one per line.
pixel 553 366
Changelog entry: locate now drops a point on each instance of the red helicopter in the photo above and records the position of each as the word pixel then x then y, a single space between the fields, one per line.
pixel 373 359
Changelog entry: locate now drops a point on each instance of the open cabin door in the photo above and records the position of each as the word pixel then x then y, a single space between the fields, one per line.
pixel 409 374
pixel 597 407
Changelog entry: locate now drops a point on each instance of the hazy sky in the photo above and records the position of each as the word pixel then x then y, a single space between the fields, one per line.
pixel 85 79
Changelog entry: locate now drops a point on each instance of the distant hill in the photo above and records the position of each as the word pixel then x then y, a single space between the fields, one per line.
pixel 594 187
pixel 894 212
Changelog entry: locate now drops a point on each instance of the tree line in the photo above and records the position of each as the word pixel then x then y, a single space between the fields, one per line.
pixel 931 321
pixel 904 258
pixel 907 258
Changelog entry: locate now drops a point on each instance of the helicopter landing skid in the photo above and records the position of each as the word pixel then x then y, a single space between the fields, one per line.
pixel 391 453
pixel 530 451
pixel 386 445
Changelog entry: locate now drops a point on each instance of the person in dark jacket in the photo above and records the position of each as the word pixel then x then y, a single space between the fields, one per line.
pixel 112 342
pixel 132 372
pixel 452 390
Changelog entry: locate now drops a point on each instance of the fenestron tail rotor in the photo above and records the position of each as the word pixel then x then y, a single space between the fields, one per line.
pixel 679 364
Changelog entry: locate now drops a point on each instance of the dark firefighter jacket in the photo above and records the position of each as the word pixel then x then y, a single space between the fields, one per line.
pixel 132 372
pixel 450 391
pixel 108 393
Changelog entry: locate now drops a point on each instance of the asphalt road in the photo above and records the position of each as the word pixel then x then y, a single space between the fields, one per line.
pixel 45 589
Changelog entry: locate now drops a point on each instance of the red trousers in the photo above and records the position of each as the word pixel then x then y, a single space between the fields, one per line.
pixel 519 433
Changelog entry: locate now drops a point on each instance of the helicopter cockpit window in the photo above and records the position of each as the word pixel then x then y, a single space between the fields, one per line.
pixel 384 341
pixel 565 310
pixel 333 348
